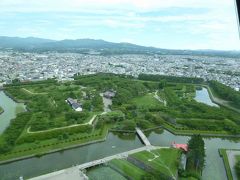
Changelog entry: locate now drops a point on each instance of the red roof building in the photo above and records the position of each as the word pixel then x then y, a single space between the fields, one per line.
pixel 183 147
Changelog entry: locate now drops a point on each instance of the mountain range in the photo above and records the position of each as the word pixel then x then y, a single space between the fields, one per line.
pixel 32 44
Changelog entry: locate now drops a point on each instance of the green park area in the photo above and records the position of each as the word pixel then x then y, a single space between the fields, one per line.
pixel 148 101
pixel 1 110
pixel 237 166
pixel 155 164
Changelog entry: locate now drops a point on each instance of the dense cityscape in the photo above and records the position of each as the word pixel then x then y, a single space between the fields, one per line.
pixel 34 66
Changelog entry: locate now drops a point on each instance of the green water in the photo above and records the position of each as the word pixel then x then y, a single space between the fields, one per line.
pixel 10 108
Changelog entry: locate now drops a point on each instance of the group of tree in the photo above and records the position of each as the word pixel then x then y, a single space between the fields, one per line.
pixel 196 154
pixel 172 79
pixel 226 93
pixel 237 168
pixel 14 130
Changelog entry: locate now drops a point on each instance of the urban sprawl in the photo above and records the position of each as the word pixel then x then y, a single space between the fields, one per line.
pixel 35 66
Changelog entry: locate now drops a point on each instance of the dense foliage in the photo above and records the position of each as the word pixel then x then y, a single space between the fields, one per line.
pixel 196 154
pixel 237 168
pixel 146 103
pixel 14 130
pixel 173 79
pixel 226 93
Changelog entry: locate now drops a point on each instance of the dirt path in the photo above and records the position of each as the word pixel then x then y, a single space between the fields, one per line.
pixel 156 96
pixel 32 93
pixel 75 125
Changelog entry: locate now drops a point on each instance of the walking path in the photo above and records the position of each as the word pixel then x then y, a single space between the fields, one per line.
pixel 75 125
pixel 143 137
pixel 72 173
pixel 30 92
pixel 156 96
pixel 63 173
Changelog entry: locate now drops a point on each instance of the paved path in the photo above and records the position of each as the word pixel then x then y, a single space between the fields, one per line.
pixel 72 173
pixel 232 161
pixel 106 102
pixel 143 137
pixel 156 96
pixel 59 175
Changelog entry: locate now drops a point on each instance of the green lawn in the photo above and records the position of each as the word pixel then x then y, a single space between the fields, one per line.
pixel 1 110
pixel 223 154
pixel 104 173
pixel 163 160
pixel 146 101
pixel 128 168
pixel 238 158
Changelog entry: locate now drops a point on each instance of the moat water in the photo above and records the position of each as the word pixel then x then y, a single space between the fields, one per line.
pixel 10 108
pixel 202 96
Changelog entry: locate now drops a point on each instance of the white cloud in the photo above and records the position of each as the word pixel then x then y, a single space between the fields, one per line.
pixel 217 23
pixel 83 5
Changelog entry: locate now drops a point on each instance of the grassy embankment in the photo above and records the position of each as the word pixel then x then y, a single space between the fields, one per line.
pixel 40 148
pixel 223 154
pixel 163 161
pixel 1 110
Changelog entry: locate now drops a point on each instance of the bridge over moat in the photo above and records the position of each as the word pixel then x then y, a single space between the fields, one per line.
pixel 142 136
pixel 76 172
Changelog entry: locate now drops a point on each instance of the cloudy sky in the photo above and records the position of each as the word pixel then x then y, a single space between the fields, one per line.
pixel 174 24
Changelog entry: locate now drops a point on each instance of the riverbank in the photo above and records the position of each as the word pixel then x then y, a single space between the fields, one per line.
pixel 219 101
pixel 52 148
pixel 16 156
pixel 12 98
pixel 221 134
pixel 1 110
pixel 229 160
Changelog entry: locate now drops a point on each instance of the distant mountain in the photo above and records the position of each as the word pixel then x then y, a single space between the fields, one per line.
pixel 16 42
pixel 32 44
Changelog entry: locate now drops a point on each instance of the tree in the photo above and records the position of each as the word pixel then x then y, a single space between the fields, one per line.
pixel 196 154
pixel 237 168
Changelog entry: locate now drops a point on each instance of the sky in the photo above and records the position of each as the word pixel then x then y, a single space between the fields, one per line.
pixel 171 24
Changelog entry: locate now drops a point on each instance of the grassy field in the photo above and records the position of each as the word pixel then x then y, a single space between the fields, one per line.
pixel 223 154
pixel 128 169
pixel 146 101
pixel 162 160
pixel 165 163
pixel 104 173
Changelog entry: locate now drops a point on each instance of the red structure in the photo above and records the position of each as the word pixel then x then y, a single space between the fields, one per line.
pixel 183 147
